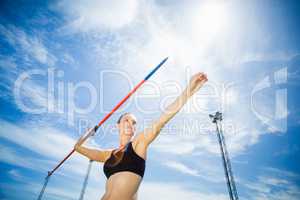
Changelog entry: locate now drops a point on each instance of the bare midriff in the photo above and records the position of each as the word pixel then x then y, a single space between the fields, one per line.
pixel 122 185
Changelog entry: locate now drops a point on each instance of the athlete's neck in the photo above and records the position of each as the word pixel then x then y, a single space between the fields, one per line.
pixel 123 142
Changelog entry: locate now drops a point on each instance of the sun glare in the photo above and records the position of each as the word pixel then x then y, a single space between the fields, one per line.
pixel 210 19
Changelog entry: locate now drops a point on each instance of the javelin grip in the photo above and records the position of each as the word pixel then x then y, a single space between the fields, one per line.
pixel 96 128
pixel 110 113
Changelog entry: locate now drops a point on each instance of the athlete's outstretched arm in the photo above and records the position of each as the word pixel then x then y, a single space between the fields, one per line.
pixel 92 154
pixel 194 85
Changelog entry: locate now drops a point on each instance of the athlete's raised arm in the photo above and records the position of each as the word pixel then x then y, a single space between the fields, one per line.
pixel 196 82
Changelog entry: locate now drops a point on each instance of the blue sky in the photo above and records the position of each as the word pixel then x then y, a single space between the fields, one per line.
pixel 65 64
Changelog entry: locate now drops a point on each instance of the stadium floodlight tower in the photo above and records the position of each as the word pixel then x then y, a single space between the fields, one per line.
pixel 216 119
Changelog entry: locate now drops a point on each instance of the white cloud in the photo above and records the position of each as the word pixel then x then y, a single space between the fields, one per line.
pixel 68 58
pixel 32 46
pixel 48 142
pixel 7 63
pixel 45 141
pixel 16 175
pixel 33 189
pixel 281 173
pixel 14 157
pixel 206 168
pixel 198 140
pixel 30 97
pixel 97 14
pixel 273 181
pixel 181 168
pixel 274 184
pixel 269 56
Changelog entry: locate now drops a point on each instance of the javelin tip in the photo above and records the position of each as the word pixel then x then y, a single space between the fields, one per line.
pixel 164 60
pixel 156 68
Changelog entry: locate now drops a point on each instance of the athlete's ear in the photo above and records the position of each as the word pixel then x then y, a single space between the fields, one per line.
pixel 118 126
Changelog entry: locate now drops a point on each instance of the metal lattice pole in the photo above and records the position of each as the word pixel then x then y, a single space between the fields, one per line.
pixel 233 186
pixel 44 187
pixel 217 118
pixel 85 181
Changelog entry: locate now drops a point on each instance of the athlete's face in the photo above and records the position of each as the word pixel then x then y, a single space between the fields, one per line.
pixel 127 125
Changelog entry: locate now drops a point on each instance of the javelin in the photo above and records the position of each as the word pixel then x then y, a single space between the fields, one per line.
pixel 93 130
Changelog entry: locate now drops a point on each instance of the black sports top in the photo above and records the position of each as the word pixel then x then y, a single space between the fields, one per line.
pixel 130 162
